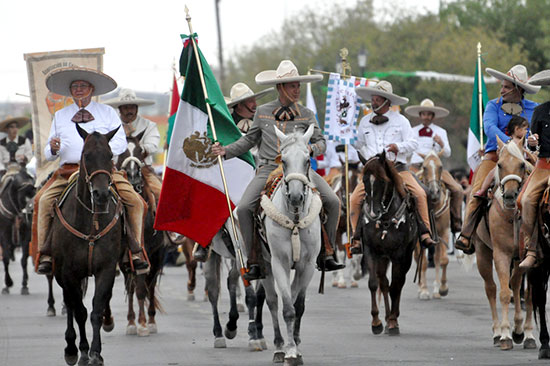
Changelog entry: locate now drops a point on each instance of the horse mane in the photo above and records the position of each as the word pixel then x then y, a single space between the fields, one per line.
pixel 514 150
pixel 379 162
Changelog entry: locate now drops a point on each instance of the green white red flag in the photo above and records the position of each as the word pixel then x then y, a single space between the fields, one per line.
pixel 174 103
pixel 474 133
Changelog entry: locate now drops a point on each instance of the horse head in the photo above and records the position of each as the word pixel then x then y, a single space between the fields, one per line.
pixel 510 172
pixel 132 161
pixel 431 175
pixel 96 166
pixel 23 185
pixel 295 160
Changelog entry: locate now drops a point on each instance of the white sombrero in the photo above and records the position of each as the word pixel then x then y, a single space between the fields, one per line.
pixel 21 121
pixel 287 72
pixel 516 75
pixel 540 78
pixel 128 96
pixel 383 89
pixel 59 81
pixel 427 105
pixel 241 92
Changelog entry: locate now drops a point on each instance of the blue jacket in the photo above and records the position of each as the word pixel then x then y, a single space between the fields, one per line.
pixel 495 121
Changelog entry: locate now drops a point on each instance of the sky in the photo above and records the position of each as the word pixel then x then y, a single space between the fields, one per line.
pixel 141 39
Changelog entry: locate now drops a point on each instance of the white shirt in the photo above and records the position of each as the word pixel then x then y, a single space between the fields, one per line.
pixel 427 144
pixel 24 151
pixel 150 139
pixel 105 120
pixel 335 159
pixel 373 139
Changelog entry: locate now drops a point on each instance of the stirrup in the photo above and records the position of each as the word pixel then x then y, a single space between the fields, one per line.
pixel 459 244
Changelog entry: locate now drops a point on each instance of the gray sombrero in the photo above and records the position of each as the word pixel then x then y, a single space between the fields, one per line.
pixel 383 89
pixel 516 75
pixel 287 72
pixel 59 81
pixel 241 92
pixel 21 121
pixel 128 96
pixel 540 78
pixel 427 105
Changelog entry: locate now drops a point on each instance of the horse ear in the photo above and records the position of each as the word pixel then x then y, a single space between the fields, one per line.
pixel 109 135
pixel 383 155
pixel 280 135
pixel 308 133
pixel 278 158
pixel 423 156
pixel 82 132
pixel 499 142
pixel 140 136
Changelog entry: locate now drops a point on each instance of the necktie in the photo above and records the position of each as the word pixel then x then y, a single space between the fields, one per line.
pixel 82 116
pixel 379 119
pixel 284 113
pixel 425 132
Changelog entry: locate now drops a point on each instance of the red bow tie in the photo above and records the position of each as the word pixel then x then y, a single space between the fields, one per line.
pixel 82 116
pixel 425 131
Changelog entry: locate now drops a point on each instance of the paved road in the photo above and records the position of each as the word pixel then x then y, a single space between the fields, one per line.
pixel 455 330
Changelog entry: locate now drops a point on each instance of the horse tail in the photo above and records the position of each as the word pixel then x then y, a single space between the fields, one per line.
pixel 538 282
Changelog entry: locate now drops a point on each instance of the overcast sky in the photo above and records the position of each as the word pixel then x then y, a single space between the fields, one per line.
pixel 141 38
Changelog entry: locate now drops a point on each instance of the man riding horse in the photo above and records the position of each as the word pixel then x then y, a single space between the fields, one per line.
pixel 65 144
pixel 288 115
pixel 14 149
pixel 386 130
pixel 498 112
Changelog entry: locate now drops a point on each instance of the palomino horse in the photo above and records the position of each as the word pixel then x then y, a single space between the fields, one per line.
pixel 186 246
pixel 16 191
pixel 495 242
pixel 132 162
pixel 86 237
pixel 293 232
pixel 388 230
pixel 439 197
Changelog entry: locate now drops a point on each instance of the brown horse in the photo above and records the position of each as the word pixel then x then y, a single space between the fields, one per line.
pixel 439 197
pixel 495 242
pixel 186 246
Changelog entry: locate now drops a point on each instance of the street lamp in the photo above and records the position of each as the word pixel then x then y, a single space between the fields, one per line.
pixel 362 59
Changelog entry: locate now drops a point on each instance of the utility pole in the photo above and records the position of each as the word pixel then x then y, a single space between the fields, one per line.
pixel 220 48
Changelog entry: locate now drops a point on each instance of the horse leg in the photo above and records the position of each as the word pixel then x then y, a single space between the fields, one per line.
pixel 273 304
pixel 232 283
pixel 339 279
pixel 131 328
pixel 259 326
pixel 518 334
pixel 6 242
pixel 254 343
pixel 151 282
pixel 104 281
pixel 443 263
pixel 383 283
pixel 72 296
pixel 539 279
pixel 529 342
pixel 399 275
pixel 141 293
pixel 51 299
pixel 484 257
pixel 191 265
pixel 423 293
pixel 212 274
pixel 376 324
pixel 502 265
pixel 24 260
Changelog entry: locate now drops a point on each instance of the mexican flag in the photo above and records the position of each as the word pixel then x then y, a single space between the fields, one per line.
pixel 174 103
pixel 192 200
pixel 474 133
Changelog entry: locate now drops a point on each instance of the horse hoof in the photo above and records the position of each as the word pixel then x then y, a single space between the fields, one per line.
pixel 190 296
pixel 518 338
pixel 96 360
pixel 443 292
pixel 230 334
pixel 263 343
pixel 24 291
pixel 393 331
pixel 506 344
pixel 5 291
pixel 254 345
pixel 424 295
pixel 278 357
pixel 436 295
pixel 219 342
pixel 71 359
pixel 142 331
pixel 342 285
pixel 50 311
pixel 153 329
pixel 131 329
pixel 84 360
pixel 294 361
pixel 377 329
pixel 496 341
pixel 529 343
pixel 334 283
pixel 108 324
pixel 544 354
pixel 354 284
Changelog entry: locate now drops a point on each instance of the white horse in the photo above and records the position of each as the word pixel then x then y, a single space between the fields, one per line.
pixel 293 231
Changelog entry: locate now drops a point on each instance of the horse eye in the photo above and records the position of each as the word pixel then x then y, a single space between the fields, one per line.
pixel 522 166
pixel 499 166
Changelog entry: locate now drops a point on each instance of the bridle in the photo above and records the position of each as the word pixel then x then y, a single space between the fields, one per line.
pixel 370 197
pixel 88 181
pixel 132 159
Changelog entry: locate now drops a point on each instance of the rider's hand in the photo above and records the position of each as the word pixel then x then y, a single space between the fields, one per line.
pixel 392 148
pixel 439 140
pixel 55 144
pixel 218 149
pixel 533 140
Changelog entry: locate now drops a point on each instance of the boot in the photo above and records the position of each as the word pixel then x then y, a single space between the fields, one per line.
pixel 356 247
pixel 140 264
pixel 329 263
pixel 201 253
pixel 463 243
pixel 529 261
pixel 332 265
pixel 44 265
pixel 254 272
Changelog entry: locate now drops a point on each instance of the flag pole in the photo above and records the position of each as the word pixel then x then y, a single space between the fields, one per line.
pixel 479 95
pixel 238 250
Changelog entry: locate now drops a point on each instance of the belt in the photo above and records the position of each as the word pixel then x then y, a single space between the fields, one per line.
pixel 543 163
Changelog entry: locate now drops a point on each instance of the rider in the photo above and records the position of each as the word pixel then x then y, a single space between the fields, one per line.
pixel 65 143
pixel 498 113
pixel 13 148
pixel 432 137
pixel 386 130
pixel 134 124
pixel 288 115
pixel 243 101
pixel 529 198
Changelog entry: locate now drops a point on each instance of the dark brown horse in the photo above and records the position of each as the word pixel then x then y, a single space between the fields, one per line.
pixel 86 236
pixel 132 162
pixel 388 228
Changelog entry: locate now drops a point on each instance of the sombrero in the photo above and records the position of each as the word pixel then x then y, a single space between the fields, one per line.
pixel 516 75
pixel 427 105
pixel 241 92
pixel 287 72
pixel 128 96
pixel 21 121
pixel 383 89
pixel 59 81
pixel 540 78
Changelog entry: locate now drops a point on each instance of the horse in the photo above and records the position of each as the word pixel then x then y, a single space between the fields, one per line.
pixel 388 228
pixel 86 236
pixel 186 246
pixel 15 194
pixel 293 233
pixel 132 162
pixel 338 186
pixel 439 198
pixel 495 242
